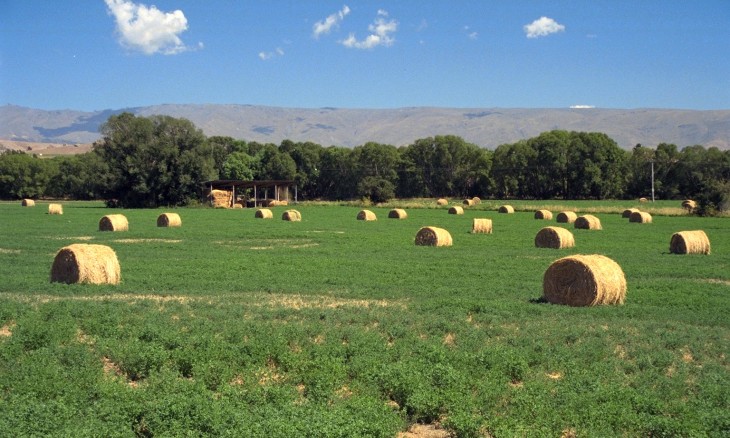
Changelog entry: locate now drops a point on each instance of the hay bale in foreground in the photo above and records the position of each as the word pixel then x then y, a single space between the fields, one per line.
pixel 506 209
pixel 456 210
pixel 55 209
pixel 588 222
pixel 114 222
pixel 689 242
pixel 554 237
pixel 291 216
pixel 468 202
pixel 442 201
pixel 397 213
pixel 566 217
pixel 584 280
pixel 87 264
pixel 481 226
pixel 543 214
pixel 433 236
pixel 263 213
pixel 689 205
pixel 169 220
pixel 627 213
pixel 366 215
pixel 640 217
pixel 28 203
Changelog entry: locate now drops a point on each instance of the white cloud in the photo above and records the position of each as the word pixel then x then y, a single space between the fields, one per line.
pixel 147 29
pixel 326 25
pixel 543 26
pixel 582 106
pixel 265 56
pixel 381 30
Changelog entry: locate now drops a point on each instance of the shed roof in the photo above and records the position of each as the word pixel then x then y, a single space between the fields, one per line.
pixel 230 183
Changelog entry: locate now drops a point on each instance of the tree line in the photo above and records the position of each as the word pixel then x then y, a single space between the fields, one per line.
pixel 162 161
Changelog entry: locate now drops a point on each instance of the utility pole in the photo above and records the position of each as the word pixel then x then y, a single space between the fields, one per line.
pixel 652 181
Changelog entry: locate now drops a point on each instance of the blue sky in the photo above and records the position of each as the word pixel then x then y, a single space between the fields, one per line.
pixel 110 54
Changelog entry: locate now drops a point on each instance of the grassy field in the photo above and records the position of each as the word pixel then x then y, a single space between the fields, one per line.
pixel 333 327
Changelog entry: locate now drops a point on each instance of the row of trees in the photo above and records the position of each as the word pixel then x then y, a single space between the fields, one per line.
pixel 160 160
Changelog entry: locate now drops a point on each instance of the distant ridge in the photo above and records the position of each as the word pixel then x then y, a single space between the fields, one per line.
pixel 486 127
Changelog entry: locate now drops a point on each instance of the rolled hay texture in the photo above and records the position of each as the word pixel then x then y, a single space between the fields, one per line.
pixel 468 202
pixel 476 200
pixel 28 203
pixel 627 213
pixel 506 209
pixel 566 217
pixel 366 215
pixel 397 213
pixel 689 242
pixel 554 237
pixel 220 198
pixel 292 216
pixel 433 236
pixel 588 222
pixel 643 200
pixel 456 210
pixel 543 214
pixel 442 201
pixel 55 209
pixel 114 222
pixel 169 220
pixel 87 264
pixel 640 217
pixel 689 204
pixel 584 280
pixel 264 213
pixel 481 226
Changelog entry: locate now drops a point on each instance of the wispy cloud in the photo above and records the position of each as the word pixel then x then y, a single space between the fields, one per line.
pixel 265 56
pixel 582 106
pixel 381 30
pixel 147 29
pixel 472 35
pixel 541 27
pixel 326 25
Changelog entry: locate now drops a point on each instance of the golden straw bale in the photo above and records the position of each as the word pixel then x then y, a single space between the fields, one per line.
pixel 643 200
pixel 292 216
pixel 584 280
pixel 55 209
pixel 566 217
pixel 264 213
pixel 543 214
pixel 640 217
pixel 476 200
pixel 481 226
pixel 397 213
pixel 689 205
pixel 554 237
pixel 169 220
pixel 433 236
pixel 442 201
pixel 239 204
pixel 588 222
pixel 627 213
pixel 366 215
pixel 506 209
pixel 86 263
pixel 114 222
pixel 468 202
pixel 28 203
pixel 689 242
pixel 456 210
pixel 220 198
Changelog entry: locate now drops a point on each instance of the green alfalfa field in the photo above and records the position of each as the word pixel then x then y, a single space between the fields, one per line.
pixel 334 327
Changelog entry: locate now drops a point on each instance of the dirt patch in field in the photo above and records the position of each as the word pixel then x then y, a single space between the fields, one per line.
pixel 82 238
pixel 424 431
pixel 299 302
pixel 716 281
pixel 7 330
pixel 111 369
pixel 9 251
pixel 265 244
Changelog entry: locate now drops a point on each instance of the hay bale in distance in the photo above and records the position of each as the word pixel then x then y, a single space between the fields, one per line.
pixel 554 237
pixel 442 201
pixel 366 215
pixel 291 216
pixel 456 210
pixel 481 226
pixel 433 236
pixel 584 280
pixel 476 200
pixel 627 213
pixel 588 222
pixel 642 200
pixel 86 264
pixel 55 209
pixel 566 217
pixel 114 222
pixel 689 205
pixel 689 242
pixel 397 213
pixel 468 202
pixel 640 217
pixel 169 220
pixel 543 214
pixel 28 203
pixel 263 213
pixel 508 209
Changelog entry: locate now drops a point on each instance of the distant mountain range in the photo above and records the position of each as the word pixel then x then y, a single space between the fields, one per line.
pixel 486 127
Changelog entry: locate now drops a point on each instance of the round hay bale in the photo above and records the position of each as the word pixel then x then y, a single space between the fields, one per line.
pixel 584 280
pixel 55 209
pixel 442 201
pixel 468 202
pixel 566 217
pixel 87 264
pixel 689 205
pixel 481 226
pixel 588 222
pixel 292 216
pixel 554 237
pixel 640 217
pixel 114 222
pixel 627 213
pixel 643 200
pixel 689 242
pixel 169 220
pixel 263 213
pixel 543 214
pixel 366 215
pixel 456 210
pixel 397 213
pixel 28 203
pixel 508 209
pixel 476 200
pixel 239 204
pixel 433 236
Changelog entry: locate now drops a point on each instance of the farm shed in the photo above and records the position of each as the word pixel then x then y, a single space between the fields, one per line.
pixel 263 191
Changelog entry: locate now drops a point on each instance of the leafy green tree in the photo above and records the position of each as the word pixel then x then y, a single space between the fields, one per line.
pixel 221 147
pixel 510 169
pixel 337 174
pixel 376 189
pixel 307 157
pixel 24 176
pixel 596 167
pixel 548 177
pixel 78 177
pixel 238 165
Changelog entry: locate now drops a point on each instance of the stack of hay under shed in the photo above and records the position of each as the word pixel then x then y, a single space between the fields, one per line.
pixel 263 213
pixel 442 201
pixel 554 237
pixel 506 209
pixel 468 202
pixel 689 242
pixel 397 213
pixel 566 217
pixel 627 213
pixel 28 203
pixel 221 198
pixel 481 226
pixel 543 214
pixel 588 222
pixel 55 209
pixel 584 280
pixel 169 220
pixel 114 222
pixel 433 236
pixel 456 210
pixel 292 216
pixel 86 263
pixel 640 217
pixel 366 215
